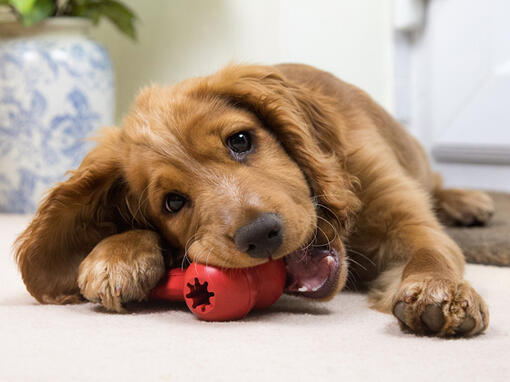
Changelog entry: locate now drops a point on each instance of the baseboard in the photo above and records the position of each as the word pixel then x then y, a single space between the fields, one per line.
pixel 466 153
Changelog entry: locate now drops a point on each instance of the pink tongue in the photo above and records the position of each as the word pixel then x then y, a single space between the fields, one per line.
pixel 311 270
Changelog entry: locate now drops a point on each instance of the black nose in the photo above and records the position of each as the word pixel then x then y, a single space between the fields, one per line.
pixel 260 237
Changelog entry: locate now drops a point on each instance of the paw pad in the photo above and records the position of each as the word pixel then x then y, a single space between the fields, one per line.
pixel 467 325
pixel 463 312
pixel 399 311
pixel 433 318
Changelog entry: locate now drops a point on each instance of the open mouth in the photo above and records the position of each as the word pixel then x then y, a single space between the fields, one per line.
pixel 312 272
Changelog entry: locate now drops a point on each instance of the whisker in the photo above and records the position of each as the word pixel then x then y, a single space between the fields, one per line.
pixel 330 211
pixel 314 238
pixel 332 227
pixel 140 201
pixel 357 263
pixel 326 236
pixel 187 247
pixel 352 250
pixel 186 257
pixel 302 258
pixel 207 258
pixel 352 279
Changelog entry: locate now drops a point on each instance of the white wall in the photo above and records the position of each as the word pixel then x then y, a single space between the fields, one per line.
pixel 452 87
pixel 184 38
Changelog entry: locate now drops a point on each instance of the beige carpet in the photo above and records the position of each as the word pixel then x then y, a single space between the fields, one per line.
pixel 294 341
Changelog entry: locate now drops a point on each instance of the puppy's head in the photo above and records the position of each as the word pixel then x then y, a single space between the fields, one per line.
pixel 241 167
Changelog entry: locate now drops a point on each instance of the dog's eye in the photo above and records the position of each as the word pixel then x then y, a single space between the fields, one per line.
pixel 174 202
pixel 239 142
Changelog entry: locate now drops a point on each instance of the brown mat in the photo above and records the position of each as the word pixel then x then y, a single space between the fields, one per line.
pixel 489 244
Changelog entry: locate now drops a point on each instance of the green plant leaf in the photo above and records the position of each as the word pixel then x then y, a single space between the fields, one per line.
pixel 82 2
pixel 33 11
pixel 23 6
pixel 91 11
pixel 120 15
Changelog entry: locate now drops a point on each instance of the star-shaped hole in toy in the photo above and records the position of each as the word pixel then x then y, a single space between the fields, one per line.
pixel 199 294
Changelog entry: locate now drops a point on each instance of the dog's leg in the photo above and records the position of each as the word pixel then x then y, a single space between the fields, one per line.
pixel 429 296
pixel 462 207
pixel 122 268
pixel 420 268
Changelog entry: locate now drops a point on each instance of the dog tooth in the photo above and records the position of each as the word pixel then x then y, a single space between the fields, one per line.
pixel 303 289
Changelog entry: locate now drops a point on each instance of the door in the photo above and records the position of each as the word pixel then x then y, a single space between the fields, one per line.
pixel 459 89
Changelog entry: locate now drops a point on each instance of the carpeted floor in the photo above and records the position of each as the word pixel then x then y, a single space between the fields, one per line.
pixel 489 244
pixel 294 341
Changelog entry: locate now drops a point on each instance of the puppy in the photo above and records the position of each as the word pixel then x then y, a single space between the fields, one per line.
pixel 254 163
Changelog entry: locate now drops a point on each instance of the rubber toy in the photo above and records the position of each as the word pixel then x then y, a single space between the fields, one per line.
pixel 217 294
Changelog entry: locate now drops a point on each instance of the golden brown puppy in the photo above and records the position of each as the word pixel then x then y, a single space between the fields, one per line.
pixel 251 163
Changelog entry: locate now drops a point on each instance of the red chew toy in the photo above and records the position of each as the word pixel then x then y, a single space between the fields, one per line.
pixel 215 294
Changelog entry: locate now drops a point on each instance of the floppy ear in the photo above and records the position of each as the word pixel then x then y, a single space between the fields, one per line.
pixel 307 125
pixel 74 217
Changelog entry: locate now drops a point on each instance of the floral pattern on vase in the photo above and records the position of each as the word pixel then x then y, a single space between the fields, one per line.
pixel 56 89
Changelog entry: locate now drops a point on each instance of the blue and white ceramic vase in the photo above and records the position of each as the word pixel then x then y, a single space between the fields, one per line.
pixel 56 89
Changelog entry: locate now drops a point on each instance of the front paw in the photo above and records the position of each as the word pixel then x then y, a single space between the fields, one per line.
pixel 113 274
pixel 440 307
